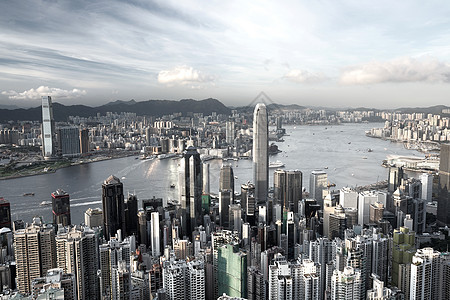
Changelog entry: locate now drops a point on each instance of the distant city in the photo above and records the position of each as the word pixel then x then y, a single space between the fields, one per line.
pixel 382 241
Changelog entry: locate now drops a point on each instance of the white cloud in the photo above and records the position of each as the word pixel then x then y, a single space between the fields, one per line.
pixel 303 76
pixel 44 91
pixel 185 76
pixel 399 70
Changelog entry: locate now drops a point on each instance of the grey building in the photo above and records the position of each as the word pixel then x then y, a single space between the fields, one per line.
pixel 260 153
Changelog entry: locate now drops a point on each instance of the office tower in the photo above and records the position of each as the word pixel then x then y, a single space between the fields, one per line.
pixel 380 256
pixel 425 271
pixel 235 218
pixel 35 254
pixel 365 199
pixel 337 223
pixel 113 207
pixel 84 141
pixel 427 186
pixel 48 128
pixel 346 284
pixel 206 196
pixel 288 189
pixel 182 248
pixel 120 282
pixel 190 185
pixel 61 208
pixel 248 202
pixel 230 132
pixel 395 178
pixel 318 182
pixel 5 213
pixel 131 210
pixel 321 252
pixel 226 194
pixel 348 198
pixel 93 217
pixel 443 211
pixel 142 232
pixel 232 271
pixel 306 280
pixel 376 211
pixel 155 235
pixel 76 253
pixel 256 284
pixel 280 280
pixel 260 153
pixel 68 141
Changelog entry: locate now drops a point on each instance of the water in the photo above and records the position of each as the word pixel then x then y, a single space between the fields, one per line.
pixel 340 148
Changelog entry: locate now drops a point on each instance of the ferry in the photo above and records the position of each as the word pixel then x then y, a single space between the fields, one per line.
pixel 45 203
pixel 276 164
pixel 172 186
pixel 28 194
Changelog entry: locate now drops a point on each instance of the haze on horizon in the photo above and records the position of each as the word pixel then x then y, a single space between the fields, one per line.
pixel 381 54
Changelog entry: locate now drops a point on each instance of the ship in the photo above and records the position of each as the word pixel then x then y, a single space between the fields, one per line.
pixel 276 164
pixel 28 194
pixel 45 203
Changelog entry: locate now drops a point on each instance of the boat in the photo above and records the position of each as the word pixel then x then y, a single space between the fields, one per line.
pixel 326 168
pixel 45 203
pixel 172 186
pixel 28 194
pixel 276 164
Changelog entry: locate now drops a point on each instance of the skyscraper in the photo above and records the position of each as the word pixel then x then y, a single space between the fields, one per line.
pixel 5 213
pixel 232 271
pixel 260 153
pixel 113 207
pixel 84 140
pixel 155 235
pixel 68 141
pixel 288 189
pixel 443 212
pixel 48 128
pixel 317 184
pixel 61 208
pixel 131 210
pixel 190 185
pixel 226 193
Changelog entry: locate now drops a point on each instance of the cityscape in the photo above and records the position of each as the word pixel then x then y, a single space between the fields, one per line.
pixel 224 150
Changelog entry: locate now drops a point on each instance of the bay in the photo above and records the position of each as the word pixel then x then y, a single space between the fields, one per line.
pixel 341 149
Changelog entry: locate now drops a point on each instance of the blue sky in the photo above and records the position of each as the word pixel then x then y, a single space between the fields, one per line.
pixel 382 54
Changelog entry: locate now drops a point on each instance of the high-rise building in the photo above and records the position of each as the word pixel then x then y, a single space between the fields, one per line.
pixel 190 186
pixel 69 141
pixel 155 235
pixel 84 140
pixel 425 271
pixel 34 249
pixel 184 281
pixel 226 194
pixel 76 253
pixel 48 128
pixel 348 198
pixel 131 210
pixel 346 284
pixel 395 178
pixel 230 132
pixel 260 153
pixel 280 280
pixel 443 211
pixel 93 217
pixel 55 279
pixel 61 208
pixel 288 189
pixel 318 182
pixel 427 186
pixel 113 207
pixel 248 202
pixel 365 199
pixel 232 271
pixel 5 213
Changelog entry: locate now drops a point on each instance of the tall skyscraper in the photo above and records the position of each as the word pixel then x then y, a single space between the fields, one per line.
pixel 318 181
pixel 232 271
pixel 113 207
pixel 190 186
pixel 5 213
pixel 226 194
pixel 288 189
pixel 260 153
pixel 48 128
pixel 84 140
pixel 68 141
pixel 346 284
pixel 61 208
pixel 443 211
pixel 230 132
pixel 425 270
pixel 155 235
pixel 131 210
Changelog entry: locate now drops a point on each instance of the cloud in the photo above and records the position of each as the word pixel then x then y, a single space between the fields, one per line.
pixel 399 70
pixel 303 76
pixel 44 91
pixel 185 76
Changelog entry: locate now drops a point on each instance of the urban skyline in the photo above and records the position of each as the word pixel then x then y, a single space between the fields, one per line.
pixel 331 54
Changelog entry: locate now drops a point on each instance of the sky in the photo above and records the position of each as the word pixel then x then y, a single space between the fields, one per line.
pixel 381 54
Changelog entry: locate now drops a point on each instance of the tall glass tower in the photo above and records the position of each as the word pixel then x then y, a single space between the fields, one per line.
pixel 260 153
pixel 48 128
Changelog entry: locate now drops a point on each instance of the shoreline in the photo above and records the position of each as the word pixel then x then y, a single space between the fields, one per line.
pixel 100 157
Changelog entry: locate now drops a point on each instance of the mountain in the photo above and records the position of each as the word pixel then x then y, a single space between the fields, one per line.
pixel 145 108
pixel 437 109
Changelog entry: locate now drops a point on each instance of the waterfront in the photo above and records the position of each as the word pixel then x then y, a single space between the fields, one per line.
pixel 342 149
